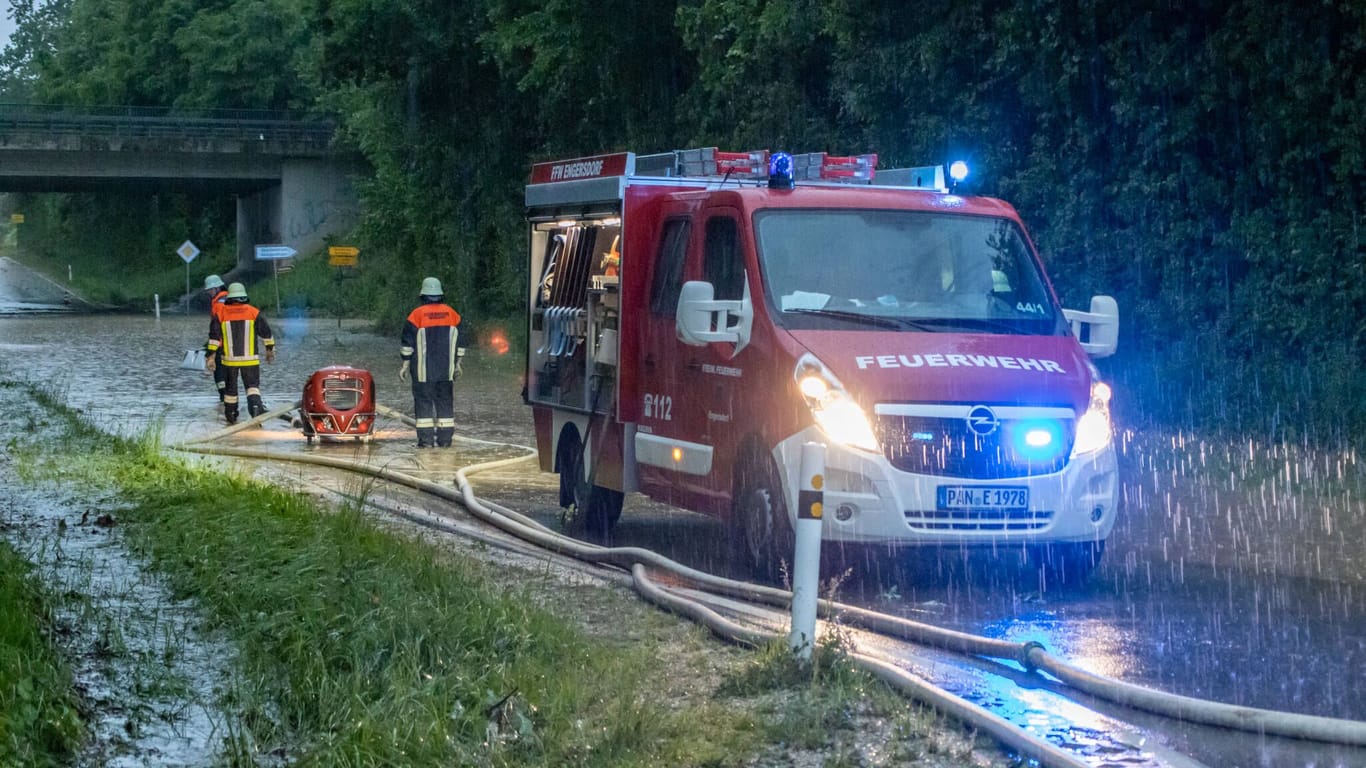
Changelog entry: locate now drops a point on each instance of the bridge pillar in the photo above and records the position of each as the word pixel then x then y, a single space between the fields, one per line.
pixel 315 200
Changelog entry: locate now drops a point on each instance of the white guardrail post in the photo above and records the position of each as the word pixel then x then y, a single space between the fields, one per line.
pixel 806 558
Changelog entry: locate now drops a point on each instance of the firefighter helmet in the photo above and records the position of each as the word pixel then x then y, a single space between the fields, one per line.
pixel 431 286
pixel 236 291
pixel 213 281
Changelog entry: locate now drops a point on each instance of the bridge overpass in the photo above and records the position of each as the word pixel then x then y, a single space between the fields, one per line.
pixel 292 187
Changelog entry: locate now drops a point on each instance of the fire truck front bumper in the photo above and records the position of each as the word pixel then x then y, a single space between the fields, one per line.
pixel 869 500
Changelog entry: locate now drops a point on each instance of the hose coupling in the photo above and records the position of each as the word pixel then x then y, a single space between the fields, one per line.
pixel 1025 648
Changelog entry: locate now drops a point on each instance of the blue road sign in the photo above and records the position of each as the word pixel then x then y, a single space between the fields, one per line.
pixel 273 252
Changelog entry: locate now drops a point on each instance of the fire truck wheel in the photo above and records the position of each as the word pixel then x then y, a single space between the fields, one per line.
pixel 760 515
pixel 596 509
pixel 1067 564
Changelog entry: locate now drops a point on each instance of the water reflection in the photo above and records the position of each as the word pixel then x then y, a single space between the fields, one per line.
pixel 1094 645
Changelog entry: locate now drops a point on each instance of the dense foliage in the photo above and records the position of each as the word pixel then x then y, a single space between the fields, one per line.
pixel 1203 162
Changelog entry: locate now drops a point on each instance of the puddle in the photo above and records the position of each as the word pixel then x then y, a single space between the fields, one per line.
pixel 149 677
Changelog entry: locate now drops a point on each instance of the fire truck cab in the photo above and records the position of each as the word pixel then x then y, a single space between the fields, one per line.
pixel 696 316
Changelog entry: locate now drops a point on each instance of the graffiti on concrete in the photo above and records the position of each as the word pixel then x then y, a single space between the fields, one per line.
pixel 321 216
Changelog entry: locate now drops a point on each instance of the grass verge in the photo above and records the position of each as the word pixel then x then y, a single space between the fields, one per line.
pixel 360 646
pixel 39 722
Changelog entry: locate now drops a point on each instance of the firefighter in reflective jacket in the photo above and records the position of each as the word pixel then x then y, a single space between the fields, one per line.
pixel 213 287
pixel 431 351
pixel 233 333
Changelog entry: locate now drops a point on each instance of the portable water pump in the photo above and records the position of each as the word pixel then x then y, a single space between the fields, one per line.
pixel 339 403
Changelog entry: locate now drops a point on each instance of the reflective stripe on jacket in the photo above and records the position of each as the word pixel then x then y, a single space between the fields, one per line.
pixel 234 329
pixel 430 338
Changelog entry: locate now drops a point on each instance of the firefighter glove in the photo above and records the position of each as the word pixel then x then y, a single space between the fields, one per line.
pixel 403 371
pixel 209 363
pixel 270 354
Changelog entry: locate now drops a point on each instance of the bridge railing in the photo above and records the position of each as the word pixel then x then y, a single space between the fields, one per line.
pixel 155 122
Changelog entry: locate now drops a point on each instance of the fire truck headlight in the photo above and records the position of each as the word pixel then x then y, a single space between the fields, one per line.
pixel 1093 428
pixel 844 421
pixel 835 412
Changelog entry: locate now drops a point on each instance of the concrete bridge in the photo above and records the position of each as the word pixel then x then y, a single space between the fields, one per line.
pixel 292 187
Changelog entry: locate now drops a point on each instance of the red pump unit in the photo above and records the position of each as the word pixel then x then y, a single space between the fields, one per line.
pixel 339 402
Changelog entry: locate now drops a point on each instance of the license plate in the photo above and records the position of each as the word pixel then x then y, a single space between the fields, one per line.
pixel 983 497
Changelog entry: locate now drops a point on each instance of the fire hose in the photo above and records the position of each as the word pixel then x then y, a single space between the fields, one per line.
pixel 1032 656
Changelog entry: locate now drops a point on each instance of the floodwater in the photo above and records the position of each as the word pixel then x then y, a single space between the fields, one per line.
pixel 23 291
pixel 1235 573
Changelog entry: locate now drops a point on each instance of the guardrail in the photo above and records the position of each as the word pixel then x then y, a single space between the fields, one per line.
pixel 132 122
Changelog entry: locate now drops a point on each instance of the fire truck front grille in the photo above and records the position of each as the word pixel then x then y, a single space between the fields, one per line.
pixel 947 447
pixel 977 520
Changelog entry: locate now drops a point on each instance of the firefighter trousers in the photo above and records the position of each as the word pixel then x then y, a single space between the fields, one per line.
pixel 434 408
pixel 251 382
pixel 220 374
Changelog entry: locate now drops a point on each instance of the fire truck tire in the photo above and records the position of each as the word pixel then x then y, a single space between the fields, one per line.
pixel 596 509
pixel 1067 564
pixel 763 532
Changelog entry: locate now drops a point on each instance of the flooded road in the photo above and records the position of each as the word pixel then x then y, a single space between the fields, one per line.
pixel 23 291
pixel 1235 572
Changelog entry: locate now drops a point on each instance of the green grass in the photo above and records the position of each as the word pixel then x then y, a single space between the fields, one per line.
pixel 359 646
pixel 39 723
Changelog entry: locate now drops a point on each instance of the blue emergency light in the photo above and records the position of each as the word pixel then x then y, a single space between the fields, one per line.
pixel 780 171
pixel 1037 440
pixel 958 172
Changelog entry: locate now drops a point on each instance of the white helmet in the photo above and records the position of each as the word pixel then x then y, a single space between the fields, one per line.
pixel 213 281
pixel 431 287
pixel 236 291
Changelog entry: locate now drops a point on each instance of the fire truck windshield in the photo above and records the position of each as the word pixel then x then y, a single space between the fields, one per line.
pixel 830 268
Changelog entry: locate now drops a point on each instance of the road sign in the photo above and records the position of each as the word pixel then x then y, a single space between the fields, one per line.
pixel 343 256
pixel 16 218
pixel 273 252
pixel 187 251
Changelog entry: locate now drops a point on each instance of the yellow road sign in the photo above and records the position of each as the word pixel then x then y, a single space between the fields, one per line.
pixel 340 261
pixel 343 251
pixel 16 218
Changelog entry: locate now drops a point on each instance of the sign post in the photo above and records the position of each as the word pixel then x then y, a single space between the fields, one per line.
pixel 274 253
pixel 187 252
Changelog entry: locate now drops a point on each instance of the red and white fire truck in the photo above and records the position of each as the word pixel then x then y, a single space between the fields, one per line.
pixel 696 316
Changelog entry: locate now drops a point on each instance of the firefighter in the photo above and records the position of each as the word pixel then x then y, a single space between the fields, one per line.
pixel 213 287
pixel 431 348
pixel 233 333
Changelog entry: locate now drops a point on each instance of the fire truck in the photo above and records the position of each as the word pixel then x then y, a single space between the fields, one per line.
pixel 696 316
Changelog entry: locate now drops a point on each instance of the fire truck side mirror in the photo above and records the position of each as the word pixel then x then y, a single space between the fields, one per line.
pixel 1097 330
pixel 702 319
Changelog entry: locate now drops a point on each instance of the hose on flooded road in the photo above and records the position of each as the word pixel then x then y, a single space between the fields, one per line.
pixel 1031 656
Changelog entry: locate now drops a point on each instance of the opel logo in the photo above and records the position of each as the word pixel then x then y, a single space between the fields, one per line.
pixel 982 421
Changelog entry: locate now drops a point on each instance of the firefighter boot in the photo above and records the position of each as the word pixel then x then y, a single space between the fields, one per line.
pixel 254 405
pixel 230 413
